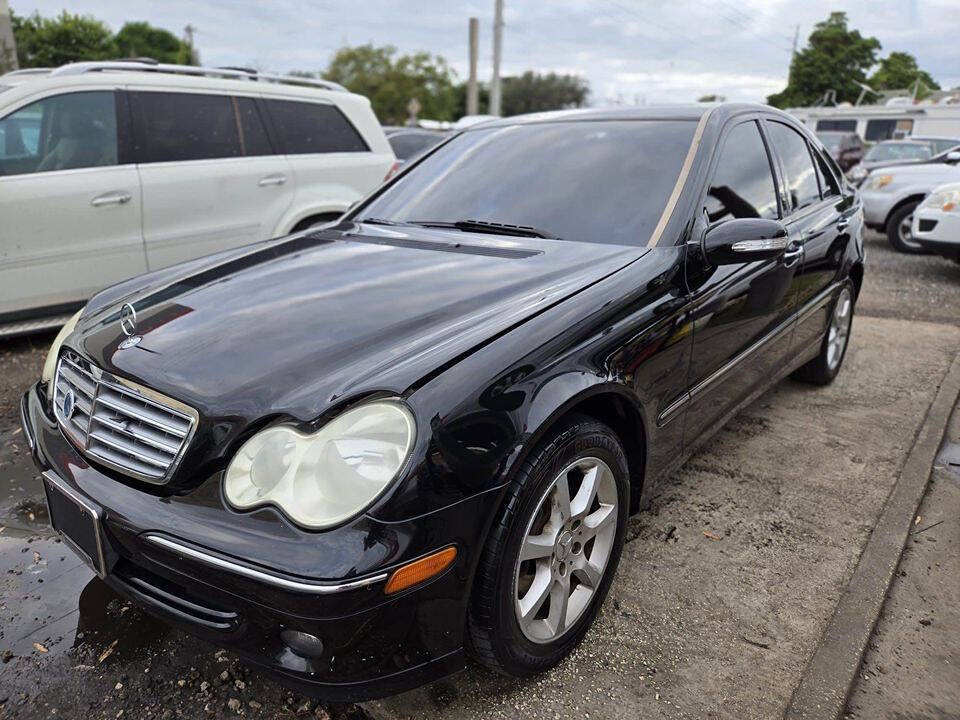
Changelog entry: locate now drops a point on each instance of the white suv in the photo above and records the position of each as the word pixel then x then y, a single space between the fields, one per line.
pixel 111 169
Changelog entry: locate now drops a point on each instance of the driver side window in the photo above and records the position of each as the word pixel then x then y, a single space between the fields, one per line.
pixel 64 132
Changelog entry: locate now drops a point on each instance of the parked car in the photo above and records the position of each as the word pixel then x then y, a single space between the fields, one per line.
pixel 110 169
pixel 355 456
pixel 936 222
pixel 846 148
pixel 409 143
pixel 891 153
pixel 891 195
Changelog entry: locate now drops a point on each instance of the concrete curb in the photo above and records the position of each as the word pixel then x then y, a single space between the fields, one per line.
pixel 830 673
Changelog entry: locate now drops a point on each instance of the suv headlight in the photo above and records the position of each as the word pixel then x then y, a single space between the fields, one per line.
pixel 946 201
pixel 323 478
pixel 880 182
pixel 50 364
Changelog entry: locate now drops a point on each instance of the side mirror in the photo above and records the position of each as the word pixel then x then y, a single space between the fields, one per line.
pixel 744 240
pixel 953 156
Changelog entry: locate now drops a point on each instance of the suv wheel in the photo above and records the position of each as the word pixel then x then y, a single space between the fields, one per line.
pixel 552 551
pixel 900 230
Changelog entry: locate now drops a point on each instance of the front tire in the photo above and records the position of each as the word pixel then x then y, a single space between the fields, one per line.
pixel 824 367
pixel 552 551
pixel 900 230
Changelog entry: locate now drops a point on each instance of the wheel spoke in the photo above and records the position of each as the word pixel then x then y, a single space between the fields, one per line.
pixel 537 546
pixel 586 493
pixel 599 519
pixel 559 599
pixel 561 499
pixel 588 574
pixel 534 598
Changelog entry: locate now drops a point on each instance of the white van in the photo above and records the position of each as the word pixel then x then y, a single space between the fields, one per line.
pixel 111 169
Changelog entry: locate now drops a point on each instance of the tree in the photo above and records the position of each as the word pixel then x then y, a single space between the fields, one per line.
pixel 49 42
pixel 392 81
pixel 835 58
pixel 534 92
pixel 140 39
pixel 712 98
pixel 898 71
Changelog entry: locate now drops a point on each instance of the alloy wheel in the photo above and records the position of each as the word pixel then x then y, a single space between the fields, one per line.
pixel 566 548
pixel 839 329
pixel 905 231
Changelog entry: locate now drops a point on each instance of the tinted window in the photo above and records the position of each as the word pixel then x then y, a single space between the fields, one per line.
pixel 76 130
pixel 742 184
pixel 828 183
pixel 406 145
pixel 801 178
pixel 841 125
pixel 313 128
pixel 253 137
pixel 604 182
pixel 886 129
pixel 185 126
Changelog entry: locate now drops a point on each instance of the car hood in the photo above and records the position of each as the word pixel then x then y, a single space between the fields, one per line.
pixel 293 326
pixel 940 172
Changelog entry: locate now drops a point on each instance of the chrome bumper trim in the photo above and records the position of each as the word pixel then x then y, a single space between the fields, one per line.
pixel 260 576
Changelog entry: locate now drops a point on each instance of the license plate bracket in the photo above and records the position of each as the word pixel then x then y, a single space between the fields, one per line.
pixel 79 522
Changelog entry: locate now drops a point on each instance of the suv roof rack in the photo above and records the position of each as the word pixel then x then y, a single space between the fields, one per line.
pixel 143 65
pixel 28 71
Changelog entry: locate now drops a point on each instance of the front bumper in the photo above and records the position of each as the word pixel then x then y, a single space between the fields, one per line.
pixel 877 204
pixel 373 645
pixel 937 231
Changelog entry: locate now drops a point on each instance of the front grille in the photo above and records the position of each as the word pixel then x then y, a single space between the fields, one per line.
pixel 122 425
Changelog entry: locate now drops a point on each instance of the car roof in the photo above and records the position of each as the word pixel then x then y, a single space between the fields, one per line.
pixel 690 111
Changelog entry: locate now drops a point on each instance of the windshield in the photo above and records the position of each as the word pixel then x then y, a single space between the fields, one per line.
pixel 594 181
pixel 899 151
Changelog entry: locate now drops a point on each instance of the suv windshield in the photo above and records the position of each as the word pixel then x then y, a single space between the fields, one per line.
pixel 899 151
pixel 594 181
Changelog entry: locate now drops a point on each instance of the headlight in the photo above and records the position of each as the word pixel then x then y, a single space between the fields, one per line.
pixel 946 201
pixel 321 479
pixel 50 364
pixel 881 181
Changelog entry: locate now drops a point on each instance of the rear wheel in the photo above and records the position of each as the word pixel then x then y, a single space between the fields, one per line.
pixel 900 230
pixel 824 368
pixel 552 551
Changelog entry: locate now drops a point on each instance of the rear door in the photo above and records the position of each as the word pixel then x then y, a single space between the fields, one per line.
pixel 743 313
pixel 69 203
pixel 819 217
pixel 211 178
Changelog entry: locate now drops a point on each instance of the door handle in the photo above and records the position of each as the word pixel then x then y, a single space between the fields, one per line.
pixel 843 223
pixel 277 179
pixel 116 197
pixel 793 255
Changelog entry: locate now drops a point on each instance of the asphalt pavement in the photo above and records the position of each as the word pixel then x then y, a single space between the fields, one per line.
pixel 727 584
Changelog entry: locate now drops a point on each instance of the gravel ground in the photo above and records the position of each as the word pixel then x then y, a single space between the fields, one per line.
pixel 727 581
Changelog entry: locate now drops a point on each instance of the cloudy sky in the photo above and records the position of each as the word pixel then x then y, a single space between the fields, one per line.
pixel 631 51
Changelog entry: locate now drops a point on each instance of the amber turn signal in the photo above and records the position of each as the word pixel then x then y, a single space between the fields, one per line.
pixel 420 570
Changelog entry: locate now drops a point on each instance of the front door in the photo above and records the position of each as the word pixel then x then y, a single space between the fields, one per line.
pixel 69 210
pixel 742 313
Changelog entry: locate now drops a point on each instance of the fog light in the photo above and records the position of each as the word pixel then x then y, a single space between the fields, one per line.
pixel 303 644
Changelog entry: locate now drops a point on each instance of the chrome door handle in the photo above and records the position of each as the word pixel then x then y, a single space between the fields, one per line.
pixel 277 179
pixel 116 197
pixel 843 223
pixel 793 255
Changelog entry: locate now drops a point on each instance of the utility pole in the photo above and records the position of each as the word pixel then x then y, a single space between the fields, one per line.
pixel 188 32
pixel 8 45
pixel 796 38
pixel 472 94
pixel 497 47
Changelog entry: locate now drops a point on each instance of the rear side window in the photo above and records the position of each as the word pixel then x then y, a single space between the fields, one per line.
pixel 305 128
pixel 801 178
pixel 174 127
pixel 63 132
pixel 742 184
pixel 253 137
pixel 828 183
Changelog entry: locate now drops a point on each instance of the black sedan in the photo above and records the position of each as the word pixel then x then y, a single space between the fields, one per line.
pixel 359 454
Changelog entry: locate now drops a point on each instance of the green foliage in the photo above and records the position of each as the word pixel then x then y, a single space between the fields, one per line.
pixel 49 42
pixel 835 58
pixel 392 81
pixel 140 39
pixel 899 71
pixel 711 98
pixel 533 92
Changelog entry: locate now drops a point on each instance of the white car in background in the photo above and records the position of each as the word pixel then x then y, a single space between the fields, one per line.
pixel 936 222
pixel 890 195
pixel 111 169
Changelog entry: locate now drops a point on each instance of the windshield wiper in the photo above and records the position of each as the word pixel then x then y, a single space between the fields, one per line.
pixel 485 226
pixel 380 221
